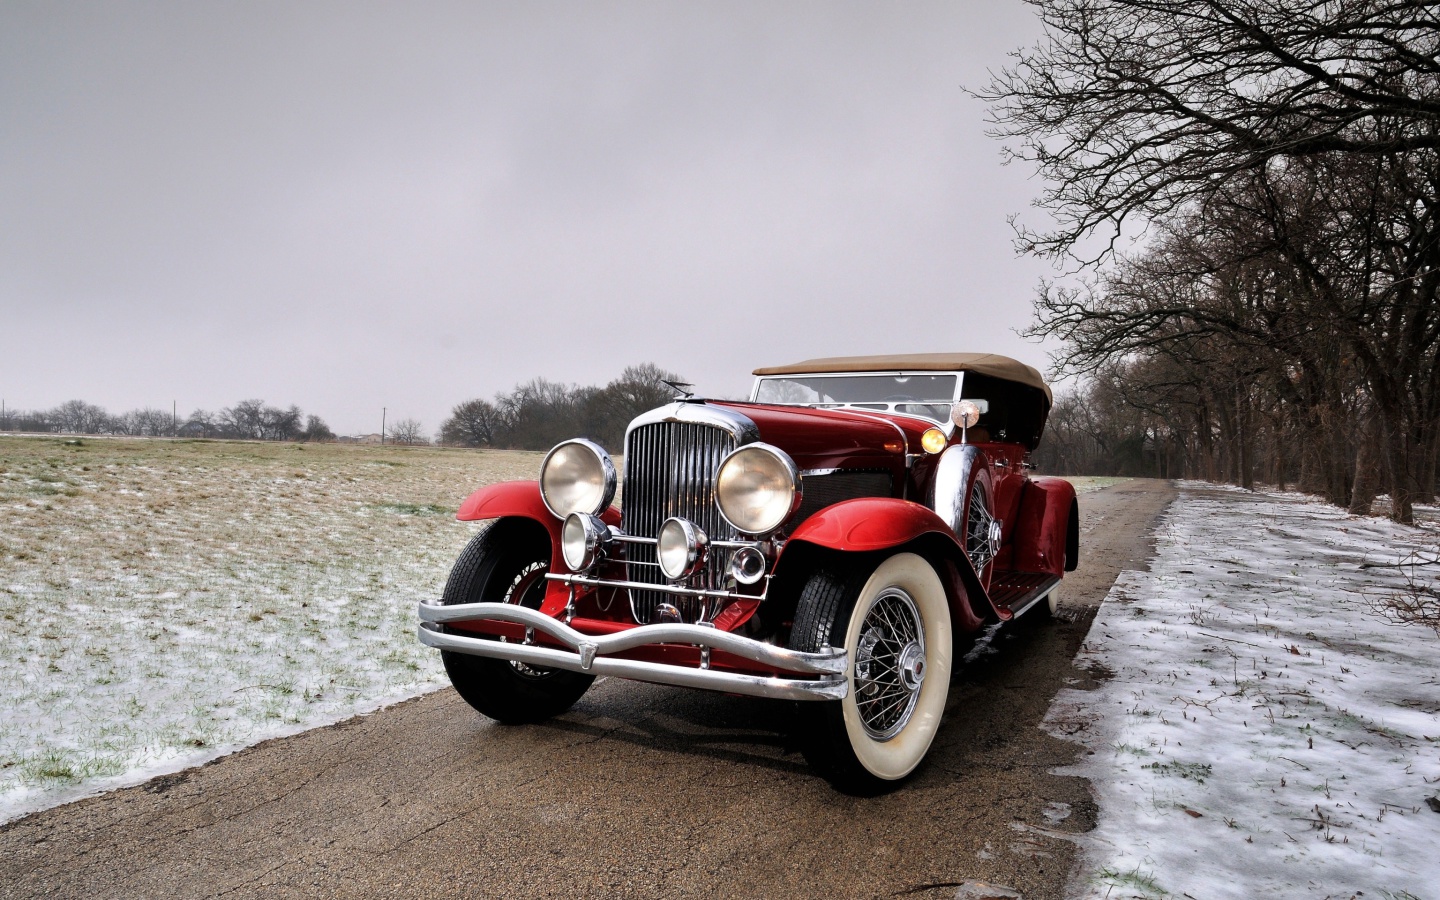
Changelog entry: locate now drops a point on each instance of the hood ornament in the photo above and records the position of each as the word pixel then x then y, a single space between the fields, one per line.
pixel 681 389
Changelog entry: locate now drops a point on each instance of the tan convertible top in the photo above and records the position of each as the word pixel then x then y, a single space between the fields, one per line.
pixel 991 364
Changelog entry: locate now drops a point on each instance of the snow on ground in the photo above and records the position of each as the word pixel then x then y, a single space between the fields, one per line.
pixel 1263 732
pixel 166 602
pixel 1086 483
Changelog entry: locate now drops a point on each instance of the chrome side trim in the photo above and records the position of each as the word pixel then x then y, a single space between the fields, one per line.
pixel 589 653
pixel 952 473
pixel 741 427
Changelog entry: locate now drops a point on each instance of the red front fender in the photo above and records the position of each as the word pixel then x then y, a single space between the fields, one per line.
pixel 517 498
pixel 521 499
pixel 882 523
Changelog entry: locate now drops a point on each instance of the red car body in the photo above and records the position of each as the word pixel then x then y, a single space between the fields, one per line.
pixel 921 484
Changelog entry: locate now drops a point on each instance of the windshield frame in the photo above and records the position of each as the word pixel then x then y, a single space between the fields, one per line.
pixel 866 406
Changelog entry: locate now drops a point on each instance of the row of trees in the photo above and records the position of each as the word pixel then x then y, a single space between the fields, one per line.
pixel 539 414
pixel 248 419
pixel 535 415
pixel 1247 197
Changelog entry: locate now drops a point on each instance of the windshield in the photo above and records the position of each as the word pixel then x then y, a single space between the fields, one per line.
pixel 921 394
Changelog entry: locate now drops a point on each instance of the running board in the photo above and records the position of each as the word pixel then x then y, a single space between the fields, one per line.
pixel 1019 591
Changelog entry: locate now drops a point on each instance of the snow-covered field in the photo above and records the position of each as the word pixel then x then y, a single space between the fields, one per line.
pixel 1262 732
pixel 165 602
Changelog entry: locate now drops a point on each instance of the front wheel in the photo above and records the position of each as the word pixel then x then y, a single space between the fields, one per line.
pixel 507 563
pixel 894 623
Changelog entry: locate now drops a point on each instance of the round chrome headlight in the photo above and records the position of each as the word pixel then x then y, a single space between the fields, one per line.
pixel 583 540
pixel 680 548
pixel 757 488
pixel 577 476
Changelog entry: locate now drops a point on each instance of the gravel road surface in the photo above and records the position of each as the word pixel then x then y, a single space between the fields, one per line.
pixel 638 791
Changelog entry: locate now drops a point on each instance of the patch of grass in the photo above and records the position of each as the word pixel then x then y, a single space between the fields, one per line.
pixel 1197 772
pixel 1134 880
pixel 415 509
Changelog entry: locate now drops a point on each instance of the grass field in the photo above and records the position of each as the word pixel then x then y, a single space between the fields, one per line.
pixel 162 602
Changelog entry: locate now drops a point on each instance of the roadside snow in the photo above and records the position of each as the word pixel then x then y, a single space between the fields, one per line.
pixel 1263 732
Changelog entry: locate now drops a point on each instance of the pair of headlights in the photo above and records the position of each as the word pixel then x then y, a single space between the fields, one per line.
pixel 757 486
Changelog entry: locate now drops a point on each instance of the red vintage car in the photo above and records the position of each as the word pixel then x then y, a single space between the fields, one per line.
pixel 832 541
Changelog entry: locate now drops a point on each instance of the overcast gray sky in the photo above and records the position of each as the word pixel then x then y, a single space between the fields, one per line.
pixel 356 206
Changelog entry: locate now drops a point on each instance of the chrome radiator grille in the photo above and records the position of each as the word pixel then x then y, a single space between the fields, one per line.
pixel 670 471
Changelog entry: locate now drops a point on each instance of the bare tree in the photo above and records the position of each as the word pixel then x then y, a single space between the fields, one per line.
pixel 202 423
pixel 79 417
pixel 1135 108
pixel 540 413
pixel 1283 157
pixel 639 388
pixel 474 423
pixel 408 431
pixel 245 419
pixel 149 422
pixel 316 430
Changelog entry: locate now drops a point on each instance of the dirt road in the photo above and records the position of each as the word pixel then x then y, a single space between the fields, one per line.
pixel 638 791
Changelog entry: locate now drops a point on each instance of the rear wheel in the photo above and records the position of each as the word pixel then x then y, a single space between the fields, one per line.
pixel 982 529
pixel 507 563
pixel 894 623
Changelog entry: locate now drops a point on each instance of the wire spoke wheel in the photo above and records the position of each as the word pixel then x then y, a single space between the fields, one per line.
pixel 982 529
pixel 889 664
pixel 893 620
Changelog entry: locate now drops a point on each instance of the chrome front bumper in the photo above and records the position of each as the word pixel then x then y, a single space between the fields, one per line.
pixel 819 676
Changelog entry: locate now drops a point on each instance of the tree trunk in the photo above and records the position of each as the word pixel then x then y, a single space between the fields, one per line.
pixel 1245 440
pixel 1399 458
pixel 1367 471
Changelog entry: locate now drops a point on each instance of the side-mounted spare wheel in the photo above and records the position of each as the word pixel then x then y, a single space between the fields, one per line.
pixel 894 623
pixel 506 563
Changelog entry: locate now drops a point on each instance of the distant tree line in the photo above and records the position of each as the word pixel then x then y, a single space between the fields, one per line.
pixel 1278 166
pixel 539 413
pixel 248 419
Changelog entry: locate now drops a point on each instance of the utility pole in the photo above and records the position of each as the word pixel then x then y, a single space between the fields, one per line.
pixel 382 424
pixel 174 419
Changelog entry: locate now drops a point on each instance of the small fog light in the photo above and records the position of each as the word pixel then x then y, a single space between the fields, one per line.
pixel 680 548
pixel 747 565
pixel 583 540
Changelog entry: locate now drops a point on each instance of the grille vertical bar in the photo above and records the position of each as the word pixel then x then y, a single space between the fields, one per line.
pixel 670 471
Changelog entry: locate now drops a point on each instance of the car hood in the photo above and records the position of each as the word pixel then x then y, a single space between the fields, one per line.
pixel 834 438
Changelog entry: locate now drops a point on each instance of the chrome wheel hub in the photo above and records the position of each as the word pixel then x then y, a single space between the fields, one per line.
pixel 912 666
pixel 889 664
